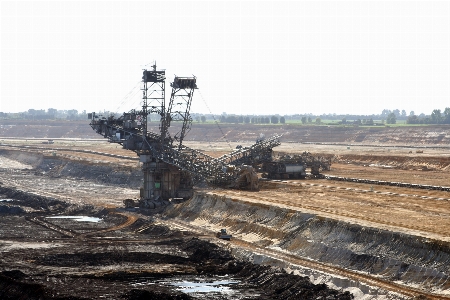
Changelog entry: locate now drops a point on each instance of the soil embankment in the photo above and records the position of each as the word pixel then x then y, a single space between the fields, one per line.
pixel 413 135
pixel 59 166
pixel 394 257
pixel 426 135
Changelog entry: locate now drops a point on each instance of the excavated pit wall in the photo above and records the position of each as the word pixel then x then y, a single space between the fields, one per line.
pixel 59 166
pixel 393 256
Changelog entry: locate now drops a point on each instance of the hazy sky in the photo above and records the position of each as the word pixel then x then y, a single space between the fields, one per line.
pixel 355 57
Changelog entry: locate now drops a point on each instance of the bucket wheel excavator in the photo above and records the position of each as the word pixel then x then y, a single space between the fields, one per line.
pixel 170 168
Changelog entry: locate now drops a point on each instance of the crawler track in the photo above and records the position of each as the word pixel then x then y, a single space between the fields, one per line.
pixel 389 183
pixel 51 226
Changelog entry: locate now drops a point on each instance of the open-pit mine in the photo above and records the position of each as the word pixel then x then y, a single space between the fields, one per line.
pixel 145 211
pixel 374 226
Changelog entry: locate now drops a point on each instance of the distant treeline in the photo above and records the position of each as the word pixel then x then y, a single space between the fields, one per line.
pixel 436 117
pixel 385 117
pixel 49 114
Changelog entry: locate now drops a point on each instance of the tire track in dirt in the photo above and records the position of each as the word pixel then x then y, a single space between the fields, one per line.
pixel 68 233
pixel 128 222
pixel 51 226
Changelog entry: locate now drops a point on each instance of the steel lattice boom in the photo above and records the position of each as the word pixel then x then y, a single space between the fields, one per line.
pixel 169 167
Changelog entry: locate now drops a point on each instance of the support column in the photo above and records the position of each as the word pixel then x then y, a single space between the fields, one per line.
pixel 152 181
pixel 150 191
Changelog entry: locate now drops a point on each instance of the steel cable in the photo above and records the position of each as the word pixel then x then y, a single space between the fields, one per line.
pixel 215 121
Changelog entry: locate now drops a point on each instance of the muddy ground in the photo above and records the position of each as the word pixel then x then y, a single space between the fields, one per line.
pixel 118 255
pixel 392 241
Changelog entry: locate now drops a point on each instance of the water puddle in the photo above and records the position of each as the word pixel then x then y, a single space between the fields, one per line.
pixel 217 286
pixel 78 218
pixel 14 245
pixel 207 286
pixel 381 166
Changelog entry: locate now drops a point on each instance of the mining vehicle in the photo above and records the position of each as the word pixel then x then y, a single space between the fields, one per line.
pixel 281 170
pixel 170 168
pixel 316 163
pixel 222 234
pixel 285 167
